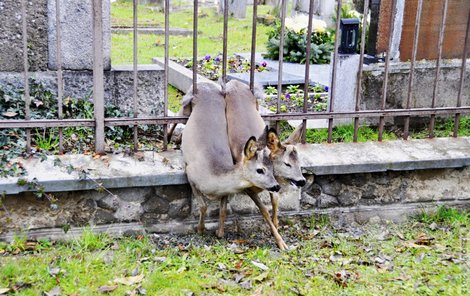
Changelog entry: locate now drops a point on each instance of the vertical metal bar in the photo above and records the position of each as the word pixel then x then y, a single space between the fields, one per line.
pixel 253 46
pixel 27 99
pixel 438 66
pixel 195 15
pixel 281 58
pixel 307 68
pixel 412 68
pixel 135 108
pixel 359 71
pixel 98 75
pixel 333 73
pixel 165 79
pixel 60 80
pixel 462 78
pixel 387 64
pixel 224 46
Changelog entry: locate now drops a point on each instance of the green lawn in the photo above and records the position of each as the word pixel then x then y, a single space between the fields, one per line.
pixel 425 256
pixel 209 38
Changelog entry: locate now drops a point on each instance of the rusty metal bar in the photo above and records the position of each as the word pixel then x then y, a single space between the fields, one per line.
pixel 253 46
pixel 195 15
pixel 98 75
pixel 27 99
pixel 438 65
pixel 361 63
pixel 60 80
pixel 224 46
pixel 333 73
pixel 165 78
pixel 387 64
pixel 39 123
pixel 406 127
pixel 281 58
pixel 307 68
pixel 462 78
pixel 125 121
pixel 135 105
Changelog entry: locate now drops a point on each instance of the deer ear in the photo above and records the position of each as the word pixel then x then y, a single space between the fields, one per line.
pixel 186 107
pixel 250 148
pixel 296 135
pixel 273 142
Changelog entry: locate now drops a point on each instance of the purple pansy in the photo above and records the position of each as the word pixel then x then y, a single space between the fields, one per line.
pixel 287 96
pixel 326 88
pixel 207 57
pixel 264 64
pixel 217 59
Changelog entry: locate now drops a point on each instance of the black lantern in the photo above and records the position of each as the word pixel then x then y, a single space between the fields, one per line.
pixel 349 35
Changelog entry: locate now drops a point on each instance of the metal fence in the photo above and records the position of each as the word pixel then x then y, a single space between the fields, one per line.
pixel 100 122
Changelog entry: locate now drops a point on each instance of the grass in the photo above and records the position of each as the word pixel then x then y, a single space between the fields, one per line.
pixel 209 38
pixel 413 258
pixel 345 133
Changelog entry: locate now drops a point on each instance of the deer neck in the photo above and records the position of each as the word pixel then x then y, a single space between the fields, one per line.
pixel 234 179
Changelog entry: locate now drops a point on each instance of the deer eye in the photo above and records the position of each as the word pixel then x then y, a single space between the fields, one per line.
pixel 287 164
pixel 260 171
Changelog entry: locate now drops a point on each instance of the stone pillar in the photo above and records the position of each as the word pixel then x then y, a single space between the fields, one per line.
pixel 384 29
pixel 77 34
pixel 345 88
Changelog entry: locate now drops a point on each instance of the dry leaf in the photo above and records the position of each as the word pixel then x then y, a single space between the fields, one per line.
pixel 107 289
pixel 424 240
pixel 9 114
pixel 259 265
pixel 258 291
pixel 130 280
pixel 400 278
pixel 54 292
pixel 341 278
pixel 261 277
pixel 4 290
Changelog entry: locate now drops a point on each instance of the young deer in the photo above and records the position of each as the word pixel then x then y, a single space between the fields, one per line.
pixel 243 119
pixel 208 159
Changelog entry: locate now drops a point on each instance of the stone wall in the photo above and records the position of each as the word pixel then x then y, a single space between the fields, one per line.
pixel 448 85
pixel 119 85
pixel 166 205
pixel 77 54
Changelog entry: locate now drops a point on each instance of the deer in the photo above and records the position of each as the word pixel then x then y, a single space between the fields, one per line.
pixel 208 160
pixel 244 119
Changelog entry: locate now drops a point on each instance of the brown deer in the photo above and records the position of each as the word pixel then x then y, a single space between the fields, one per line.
pixel 243 119
pixel 208 160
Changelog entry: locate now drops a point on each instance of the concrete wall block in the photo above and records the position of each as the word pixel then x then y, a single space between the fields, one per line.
pixel 11 43
pixel 439 184
pixel 77 34
pixel 149 93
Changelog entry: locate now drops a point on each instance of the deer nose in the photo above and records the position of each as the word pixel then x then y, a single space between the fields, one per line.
pixel 275 188
pixel 300 183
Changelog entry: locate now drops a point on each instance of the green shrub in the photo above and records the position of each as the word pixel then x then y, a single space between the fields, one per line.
pixel 295 41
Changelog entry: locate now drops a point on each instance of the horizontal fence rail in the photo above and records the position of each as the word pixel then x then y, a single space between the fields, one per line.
pixel 99 122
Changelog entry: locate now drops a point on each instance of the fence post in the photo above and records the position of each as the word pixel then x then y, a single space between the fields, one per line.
pixel 98 75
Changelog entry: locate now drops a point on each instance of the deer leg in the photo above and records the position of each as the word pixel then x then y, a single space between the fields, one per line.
pixel 222 215
pixel 275 204
pixel 264 211
pixel 202 208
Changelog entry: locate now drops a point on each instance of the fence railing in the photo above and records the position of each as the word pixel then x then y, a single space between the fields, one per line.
pixel 100 121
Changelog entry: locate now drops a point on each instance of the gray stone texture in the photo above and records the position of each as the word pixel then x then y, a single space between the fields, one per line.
pixel 11 43
pixel 76 26
pixel 448 86
pixel 118 86
pixel 149 89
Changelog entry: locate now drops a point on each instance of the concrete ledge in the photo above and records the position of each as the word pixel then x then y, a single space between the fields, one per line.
pixel 358 214
pixel 167 168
